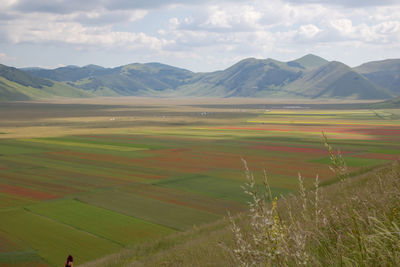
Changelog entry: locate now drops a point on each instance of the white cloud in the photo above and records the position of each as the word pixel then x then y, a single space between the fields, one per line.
pixel 389 27
pixel 5 59
pixel 385 13
pixel 235 17
pixel 7 3
pixel 378 33
pixel 343 26
pixel 201 31
pixel 309 31
pixel 105 17
pixel 275 27
pixel 174 23
pixel 65 29
pixel 347 3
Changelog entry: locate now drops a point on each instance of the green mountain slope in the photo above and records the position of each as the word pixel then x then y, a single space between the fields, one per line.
pixel 9 92
pixel 19 85
pixel 132 79
pixel 336 80
pixel 23 78
pixel 249 77
pixel 68 73
pixel 385 73
pixel 271 78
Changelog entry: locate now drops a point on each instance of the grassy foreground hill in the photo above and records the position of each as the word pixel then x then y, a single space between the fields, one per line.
pixel 354 222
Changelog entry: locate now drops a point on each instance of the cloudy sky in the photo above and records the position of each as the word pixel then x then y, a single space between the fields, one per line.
pixel 200 35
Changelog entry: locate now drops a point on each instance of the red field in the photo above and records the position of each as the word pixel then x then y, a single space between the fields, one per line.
pixel 93 158
pixel 379 156
pixel 292 149
pixel 26 192
pixel 366 130
pixel 6 245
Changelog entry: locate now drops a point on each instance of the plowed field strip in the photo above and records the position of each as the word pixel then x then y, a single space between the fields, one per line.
pixel 7 201
pixel 85 145
pixel 26 192
pixel 33 181
pixel 379 156
pixel 103 159
pixel 178 197
pixel 105 175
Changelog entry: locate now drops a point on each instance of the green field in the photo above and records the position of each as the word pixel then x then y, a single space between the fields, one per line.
pixel 92 178
pixel 160 212
pixel 45 236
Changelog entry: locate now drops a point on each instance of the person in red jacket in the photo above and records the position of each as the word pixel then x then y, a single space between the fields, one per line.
pixel 70 261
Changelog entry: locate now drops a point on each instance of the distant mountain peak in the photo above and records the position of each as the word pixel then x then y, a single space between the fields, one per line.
pixel 247 60
pixel 310 61
pixel 70 67
pixel 311 56
pixel 93 66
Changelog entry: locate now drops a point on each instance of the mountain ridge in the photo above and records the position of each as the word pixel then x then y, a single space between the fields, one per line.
pixel 16 84
pixel 309 76
pixel 385 73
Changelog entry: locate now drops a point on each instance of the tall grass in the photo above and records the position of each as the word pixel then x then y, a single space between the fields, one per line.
pixel 353 223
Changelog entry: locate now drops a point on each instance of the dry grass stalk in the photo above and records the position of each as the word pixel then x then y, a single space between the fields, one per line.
pixel 354 223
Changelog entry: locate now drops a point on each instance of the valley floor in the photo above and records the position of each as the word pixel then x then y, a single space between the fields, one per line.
pixel 98 176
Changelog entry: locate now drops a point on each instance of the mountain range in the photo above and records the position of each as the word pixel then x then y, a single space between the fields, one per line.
pixel 307 77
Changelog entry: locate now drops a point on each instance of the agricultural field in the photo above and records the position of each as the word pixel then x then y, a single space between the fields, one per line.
pixel 91 178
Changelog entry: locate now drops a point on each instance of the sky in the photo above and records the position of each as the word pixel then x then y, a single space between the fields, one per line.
pixel 199 35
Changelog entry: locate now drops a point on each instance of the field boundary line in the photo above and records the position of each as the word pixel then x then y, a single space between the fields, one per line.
pixel 138 218
pixel 74 227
